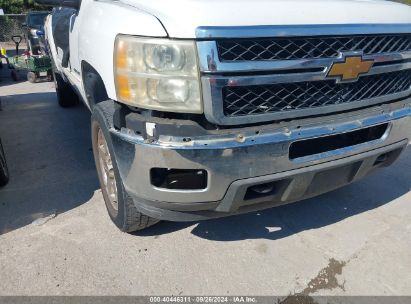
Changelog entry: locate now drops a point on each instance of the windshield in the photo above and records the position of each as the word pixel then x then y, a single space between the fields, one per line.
pixel 36 20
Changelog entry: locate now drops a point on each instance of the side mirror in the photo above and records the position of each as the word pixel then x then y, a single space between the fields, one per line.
pixel 64 3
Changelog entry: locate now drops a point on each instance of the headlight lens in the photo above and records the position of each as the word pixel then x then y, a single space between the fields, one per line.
pixel 163 58
pixel 159 74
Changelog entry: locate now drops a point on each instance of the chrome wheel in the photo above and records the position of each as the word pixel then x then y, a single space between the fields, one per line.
pixel 107 170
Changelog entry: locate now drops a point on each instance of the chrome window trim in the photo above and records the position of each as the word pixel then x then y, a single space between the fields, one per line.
pixel 263 31
pixel 214 73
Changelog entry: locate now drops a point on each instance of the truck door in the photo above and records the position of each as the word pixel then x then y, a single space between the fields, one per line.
pixel 74 66
pixel 60 25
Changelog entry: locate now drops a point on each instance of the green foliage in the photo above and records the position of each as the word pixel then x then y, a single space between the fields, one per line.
pixel 20 6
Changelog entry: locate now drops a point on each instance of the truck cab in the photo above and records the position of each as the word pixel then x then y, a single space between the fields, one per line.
pixel 203 109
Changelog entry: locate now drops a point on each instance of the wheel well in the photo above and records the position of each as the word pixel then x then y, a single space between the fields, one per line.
pixel 93 85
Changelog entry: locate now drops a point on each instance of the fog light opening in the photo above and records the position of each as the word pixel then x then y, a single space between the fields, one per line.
pixel 179 179
pixel 381 159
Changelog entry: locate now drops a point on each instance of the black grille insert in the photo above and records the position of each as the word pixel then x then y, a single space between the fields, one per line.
pixel 282 97
pixel 286 48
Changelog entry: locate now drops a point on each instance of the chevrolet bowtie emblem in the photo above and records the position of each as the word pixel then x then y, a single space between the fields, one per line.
pixel 350 69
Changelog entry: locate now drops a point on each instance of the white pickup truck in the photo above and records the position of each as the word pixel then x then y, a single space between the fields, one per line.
pixel 206 108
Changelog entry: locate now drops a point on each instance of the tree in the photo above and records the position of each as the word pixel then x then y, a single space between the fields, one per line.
pixel 20 6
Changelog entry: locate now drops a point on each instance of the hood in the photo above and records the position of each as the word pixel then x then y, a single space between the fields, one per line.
pixel 181 17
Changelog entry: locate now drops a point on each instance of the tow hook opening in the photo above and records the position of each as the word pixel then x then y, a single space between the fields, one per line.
pixel 263 190
pixel 381 159
pixel 179 179
pixel 387 158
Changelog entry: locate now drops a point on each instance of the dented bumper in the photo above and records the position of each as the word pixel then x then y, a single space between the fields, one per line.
pixel 255 168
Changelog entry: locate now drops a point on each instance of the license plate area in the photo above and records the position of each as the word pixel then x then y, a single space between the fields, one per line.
pixel 314 146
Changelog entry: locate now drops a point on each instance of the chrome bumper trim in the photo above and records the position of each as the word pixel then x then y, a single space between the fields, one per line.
pixel 245 154
pixel 279 135
pixel 288 186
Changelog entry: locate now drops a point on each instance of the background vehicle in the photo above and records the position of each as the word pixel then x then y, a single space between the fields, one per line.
pixel 198 113
pixel 35 31
pixel 34 59
pixel 35 20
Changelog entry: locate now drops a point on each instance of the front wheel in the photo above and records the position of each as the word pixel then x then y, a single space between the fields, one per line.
pixel 119 204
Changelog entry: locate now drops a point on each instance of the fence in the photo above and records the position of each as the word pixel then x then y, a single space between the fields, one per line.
pixel 11 25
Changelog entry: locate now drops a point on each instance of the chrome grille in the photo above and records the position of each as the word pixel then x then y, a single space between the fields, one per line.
pixel 309 47
pixel 281 97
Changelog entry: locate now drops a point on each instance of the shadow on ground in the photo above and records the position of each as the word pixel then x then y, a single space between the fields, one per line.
pixel 48 151
pixel 376 190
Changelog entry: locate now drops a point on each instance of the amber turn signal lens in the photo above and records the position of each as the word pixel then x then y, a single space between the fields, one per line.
pixel 123 87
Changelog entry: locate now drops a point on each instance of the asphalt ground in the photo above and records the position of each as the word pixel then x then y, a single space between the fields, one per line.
pixel 56 237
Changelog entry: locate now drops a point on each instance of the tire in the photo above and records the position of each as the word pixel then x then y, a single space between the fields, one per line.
pixel 120 206
pixel 32 77
pixel 4 171
pixel 66 96
pixel 14 75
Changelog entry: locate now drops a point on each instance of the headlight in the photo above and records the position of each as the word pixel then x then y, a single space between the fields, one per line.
pixel 158 74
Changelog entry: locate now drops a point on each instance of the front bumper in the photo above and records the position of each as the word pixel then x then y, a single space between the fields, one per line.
pixel 239 159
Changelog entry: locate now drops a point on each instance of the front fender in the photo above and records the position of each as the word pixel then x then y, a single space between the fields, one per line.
pixel 101 22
